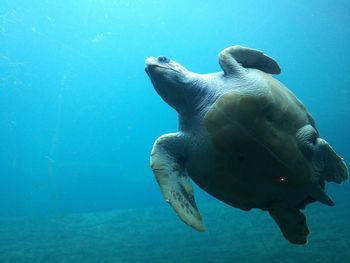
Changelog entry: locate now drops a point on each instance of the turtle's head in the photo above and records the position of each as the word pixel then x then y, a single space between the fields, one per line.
pixel 172 81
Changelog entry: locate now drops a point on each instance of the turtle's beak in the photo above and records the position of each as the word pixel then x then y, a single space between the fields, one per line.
pixel 162 62
pixel 146 70
pixel 155 65
pixel 149 63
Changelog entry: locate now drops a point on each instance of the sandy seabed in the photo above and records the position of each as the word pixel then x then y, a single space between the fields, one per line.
pixel 157 235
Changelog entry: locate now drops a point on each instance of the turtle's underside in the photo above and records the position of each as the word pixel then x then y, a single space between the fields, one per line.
pixel 244 138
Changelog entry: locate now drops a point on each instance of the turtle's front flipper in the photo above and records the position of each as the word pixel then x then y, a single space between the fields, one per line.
pixel 291 222
pixel 167 162
pixel 232 58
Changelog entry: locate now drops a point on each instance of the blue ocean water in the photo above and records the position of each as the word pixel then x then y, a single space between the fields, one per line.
pixel 78 118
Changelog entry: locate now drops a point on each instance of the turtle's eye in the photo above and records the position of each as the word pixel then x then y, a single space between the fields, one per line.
pixel 163 59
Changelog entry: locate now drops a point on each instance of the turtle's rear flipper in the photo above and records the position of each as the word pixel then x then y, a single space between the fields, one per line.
pixel 291 222
pixel 335 169
pixel 175 185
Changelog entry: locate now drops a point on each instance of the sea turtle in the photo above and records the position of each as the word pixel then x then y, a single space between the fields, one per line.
pixel 244 138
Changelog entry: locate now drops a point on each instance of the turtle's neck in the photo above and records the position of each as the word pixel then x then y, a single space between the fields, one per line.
pixel 187 96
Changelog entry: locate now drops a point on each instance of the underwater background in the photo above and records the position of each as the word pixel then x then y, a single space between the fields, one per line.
pixel 78 118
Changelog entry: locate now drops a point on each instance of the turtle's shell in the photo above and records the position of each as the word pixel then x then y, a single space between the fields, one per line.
pixel 254 133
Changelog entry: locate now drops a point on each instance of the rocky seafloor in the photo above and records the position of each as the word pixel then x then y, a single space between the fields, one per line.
pixel 157 235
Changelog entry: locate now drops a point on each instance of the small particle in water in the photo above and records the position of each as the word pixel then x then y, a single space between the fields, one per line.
pixel 98 38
